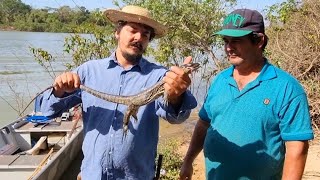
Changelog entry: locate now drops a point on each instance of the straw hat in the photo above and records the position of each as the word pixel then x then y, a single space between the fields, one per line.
pixel 137 15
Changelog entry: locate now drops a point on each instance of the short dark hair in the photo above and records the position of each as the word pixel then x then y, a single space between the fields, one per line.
pixel 256 37
pixel 120 25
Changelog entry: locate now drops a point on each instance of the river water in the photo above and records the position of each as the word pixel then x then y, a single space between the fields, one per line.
pixel 21 77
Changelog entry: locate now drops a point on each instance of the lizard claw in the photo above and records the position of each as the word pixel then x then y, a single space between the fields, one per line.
pixel 165 99
pixel 125 132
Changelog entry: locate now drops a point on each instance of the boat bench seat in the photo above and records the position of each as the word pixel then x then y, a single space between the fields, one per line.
pixel 20 161
pixel 8 149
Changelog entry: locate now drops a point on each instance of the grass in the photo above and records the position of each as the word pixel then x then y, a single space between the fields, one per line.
pixel 172 160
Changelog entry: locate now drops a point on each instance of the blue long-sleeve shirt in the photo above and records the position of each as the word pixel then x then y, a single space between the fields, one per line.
pixel 106 154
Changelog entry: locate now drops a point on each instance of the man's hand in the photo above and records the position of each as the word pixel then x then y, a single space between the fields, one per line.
pixel 176 83
pixel 186 171
pixel 195 147
pixel 66 82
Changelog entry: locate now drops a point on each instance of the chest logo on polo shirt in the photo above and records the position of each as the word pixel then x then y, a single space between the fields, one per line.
pixel 266 101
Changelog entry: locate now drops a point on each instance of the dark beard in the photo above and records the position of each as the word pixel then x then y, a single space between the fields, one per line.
pixel 133 58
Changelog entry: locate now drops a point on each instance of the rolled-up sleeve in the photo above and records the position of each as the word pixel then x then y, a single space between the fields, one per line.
pixel 52 106
pixel 295 122
pixel 168 112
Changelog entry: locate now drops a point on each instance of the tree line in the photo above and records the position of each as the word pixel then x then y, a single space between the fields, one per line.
pixel 16 15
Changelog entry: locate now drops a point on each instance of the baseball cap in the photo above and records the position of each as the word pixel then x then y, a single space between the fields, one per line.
pixel 242 22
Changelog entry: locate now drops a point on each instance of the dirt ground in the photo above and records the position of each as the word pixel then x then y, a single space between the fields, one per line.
pixel 312 169
pixel 184 132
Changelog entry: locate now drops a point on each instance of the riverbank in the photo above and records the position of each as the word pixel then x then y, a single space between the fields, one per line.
pixel 7 28
pixel 182 134
pixel 312 169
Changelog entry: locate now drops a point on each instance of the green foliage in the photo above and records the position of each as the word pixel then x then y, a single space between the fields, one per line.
pixel 11 9
pixel 99 45
pixel 45 59
pixel 14 13
pixel 172 160
pixel 281 12
pixel 14 6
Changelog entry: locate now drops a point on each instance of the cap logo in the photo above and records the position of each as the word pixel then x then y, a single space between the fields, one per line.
pixel 236 20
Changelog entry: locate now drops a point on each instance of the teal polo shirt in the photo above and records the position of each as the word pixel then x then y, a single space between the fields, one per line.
pixel 248 128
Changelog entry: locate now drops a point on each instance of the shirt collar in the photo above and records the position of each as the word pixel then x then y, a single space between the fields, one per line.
pixel 268 72
pixel 113 63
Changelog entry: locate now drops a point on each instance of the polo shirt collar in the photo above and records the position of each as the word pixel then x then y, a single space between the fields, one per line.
pixel 268 72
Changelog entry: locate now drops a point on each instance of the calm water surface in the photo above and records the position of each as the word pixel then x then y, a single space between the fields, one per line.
pixel 21 77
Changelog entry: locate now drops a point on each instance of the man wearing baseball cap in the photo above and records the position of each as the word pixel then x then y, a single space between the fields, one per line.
pixel 107 153
pixel 255 122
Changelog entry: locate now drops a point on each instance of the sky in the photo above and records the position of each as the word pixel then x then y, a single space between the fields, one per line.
pixel 88 4
pixel 259 5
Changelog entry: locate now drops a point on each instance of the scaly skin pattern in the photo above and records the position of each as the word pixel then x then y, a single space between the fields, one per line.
pixel 135 101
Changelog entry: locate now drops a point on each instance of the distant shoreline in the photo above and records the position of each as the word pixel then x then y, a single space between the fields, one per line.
pixel 7 28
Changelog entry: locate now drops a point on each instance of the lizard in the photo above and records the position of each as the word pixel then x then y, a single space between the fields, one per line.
pixel 134 101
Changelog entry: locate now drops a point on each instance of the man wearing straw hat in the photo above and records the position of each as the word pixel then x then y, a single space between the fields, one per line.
pixel 106 154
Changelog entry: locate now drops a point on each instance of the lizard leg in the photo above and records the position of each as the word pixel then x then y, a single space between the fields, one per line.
pixel 134 112
pixel 126 119
pixel 131 111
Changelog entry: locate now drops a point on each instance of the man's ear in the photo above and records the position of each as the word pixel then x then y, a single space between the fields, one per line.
pixel 116 35
pixel 260 39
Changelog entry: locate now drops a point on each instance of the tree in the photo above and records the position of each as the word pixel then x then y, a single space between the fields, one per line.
pixel 11 8
pixel 294 45
pixel 65 14
pixel 37 16
pixel 81 15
